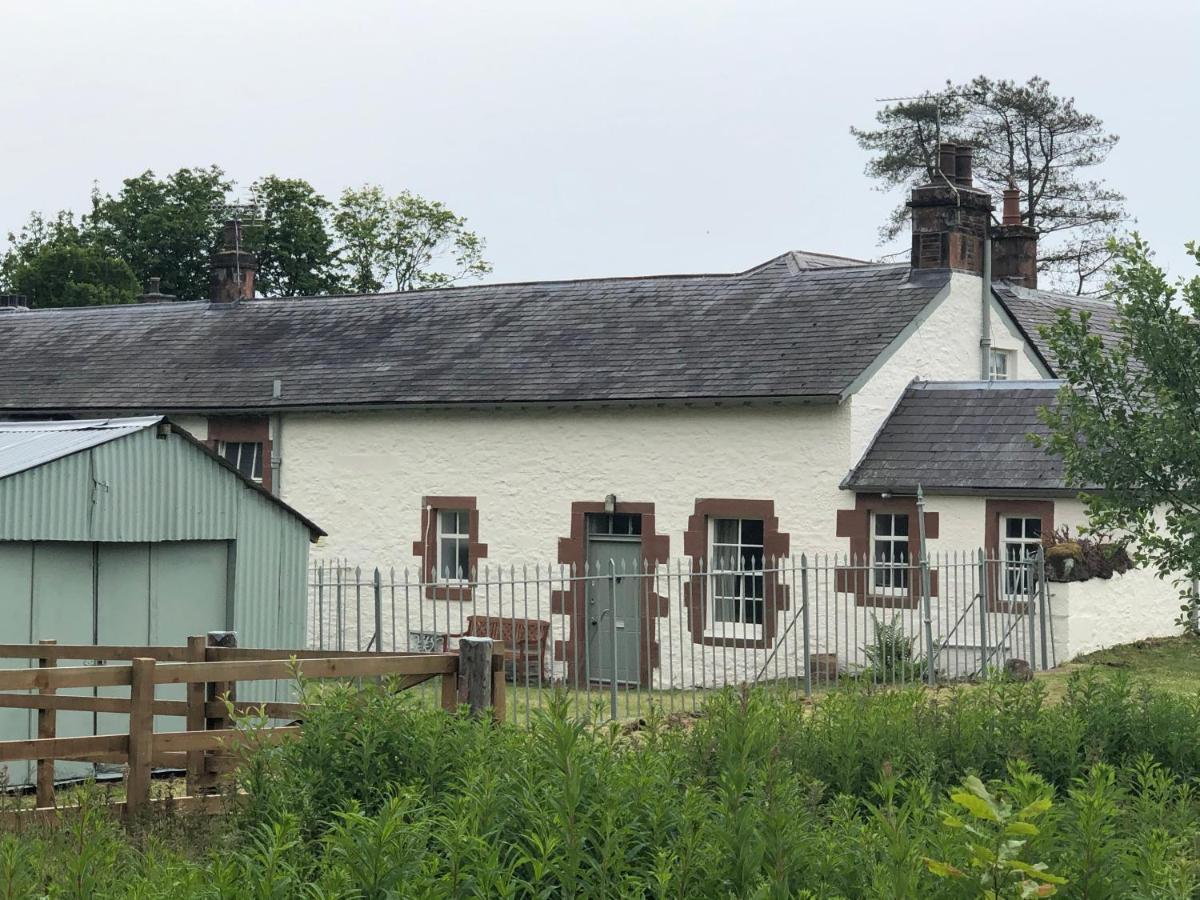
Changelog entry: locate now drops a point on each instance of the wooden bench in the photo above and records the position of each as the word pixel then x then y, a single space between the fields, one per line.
pixel 524 640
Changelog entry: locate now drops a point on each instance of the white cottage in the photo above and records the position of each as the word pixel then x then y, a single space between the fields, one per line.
pixel 727 417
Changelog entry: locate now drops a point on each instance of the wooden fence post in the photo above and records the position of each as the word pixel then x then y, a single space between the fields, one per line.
pixel 475 673
pixel 196 719
pixel 217 688
pixel 450 691
pixel 141 735
pixel 47 723
pixel 499 688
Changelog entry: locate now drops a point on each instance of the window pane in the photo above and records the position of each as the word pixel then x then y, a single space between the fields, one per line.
pixel 752 531
pixel 725 559
pixel 901 525
pixel 883 524
pixel 724 609
pixel 883 551
pixel 1012 527
pixel 752 559
pixel 1033 528
pixel 900 578
pixel 464 559
pixel 447 562
pixel 900 552
pixel 725 531
pixel 753 611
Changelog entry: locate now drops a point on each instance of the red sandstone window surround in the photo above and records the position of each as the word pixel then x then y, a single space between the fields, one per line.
pixel 235 439
pixel 1012 531
pixel 449 546
pixel 885 547
pixel 737 601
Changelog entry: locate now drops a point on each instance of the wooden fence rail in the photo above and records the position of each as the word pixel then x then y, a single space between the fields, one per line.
pixel 210 674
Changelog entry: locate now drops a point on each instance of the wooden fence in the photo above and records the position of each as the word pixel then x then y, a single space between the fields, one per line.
pixel 210 673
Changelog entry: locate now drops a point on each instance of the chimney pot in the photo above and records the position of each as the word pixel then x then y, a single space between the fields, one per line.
pixel 963 157
pixel 947 160
pixel 1012 206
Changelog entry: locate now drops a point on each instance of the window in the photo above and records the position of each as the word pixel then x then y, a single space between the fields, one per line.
pixel 245 456
pixel 889 553
pixel 736 560
pixel 1022 541
pixel 454 545
pixel 1000 367
pixel 614 524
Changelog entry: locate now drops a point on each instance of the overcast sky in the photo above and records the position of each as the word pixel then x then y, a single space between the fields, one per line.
pixel 580 139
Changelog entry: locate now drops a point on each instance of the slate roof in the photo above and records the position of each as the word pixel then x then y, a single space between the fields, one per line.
pixel 1031 309
pixel 968 437
pixel 798 326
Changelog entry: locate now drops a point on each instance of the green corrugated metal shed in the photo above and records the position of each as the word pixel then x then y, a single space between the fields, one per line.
pixel 129 531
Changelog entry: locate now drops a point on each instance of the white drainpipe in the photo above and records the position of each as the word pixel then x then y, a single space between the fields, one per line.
pixel 985 311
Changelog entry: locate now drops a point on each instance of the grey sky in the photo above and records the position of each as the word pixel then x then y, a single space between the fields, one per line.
pixel 608 138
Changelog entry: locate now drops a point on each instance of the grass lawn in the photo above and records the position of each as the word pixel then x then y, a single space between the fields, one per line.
pixel 1170 664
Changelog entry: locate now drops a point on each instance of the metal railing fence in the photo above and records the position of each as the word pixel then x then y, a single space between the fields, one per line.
pixel 626 637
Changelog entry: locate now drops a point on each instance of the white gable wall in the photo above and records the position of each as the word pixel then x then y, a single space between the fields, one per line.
pixel 943 345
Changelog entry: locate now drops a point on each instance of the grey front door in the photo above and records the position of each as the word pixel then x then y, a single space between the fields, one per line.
pixel 614 548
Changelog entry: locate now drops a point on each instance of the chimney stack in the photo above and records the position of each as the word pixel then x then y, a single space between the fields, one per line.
pixel 949 215
pixel 231 269
pixel 154 293
pixel 1014 246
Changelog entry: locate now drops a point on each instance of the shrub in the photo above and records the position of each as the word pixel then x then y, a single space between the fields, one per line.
pixel 1081 557
pixel 761 797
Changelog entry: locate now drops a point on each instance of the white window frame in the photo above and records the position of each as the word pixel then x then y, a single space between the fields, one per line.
pixel 721 628
pixel 442 575
pixel 1015 583
pixel 1008 357
pixel 890 589
pixel 223 452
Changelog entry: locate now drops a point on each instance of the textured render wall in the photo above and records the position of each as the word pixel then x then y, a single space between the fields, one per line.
pixel 196 426
pixel 362 475
pixel 944 347
pixel 1090 615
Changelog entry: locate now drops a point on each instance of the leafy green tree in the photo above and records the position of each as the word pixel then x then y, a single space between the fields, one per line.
pixel 1128 418
pixel 1023 134
pixel 291 237
pixel 53 263
pixel 165 227
pixel 404 242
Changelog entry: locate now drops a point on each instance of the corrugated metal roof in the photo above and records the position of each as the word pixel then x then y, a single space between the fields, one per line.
pixel 27 445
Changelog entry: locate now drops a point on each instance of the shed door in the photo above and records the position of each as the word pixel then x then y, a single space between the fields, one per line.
pixel 158 594
pixel 64 610
pixel 16 589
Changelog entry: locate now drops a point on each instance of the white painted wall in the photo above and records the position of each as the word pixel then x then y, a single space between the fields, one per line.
pixel 944 346
pixel 1094 614
pixel 196 426
pixel 362 475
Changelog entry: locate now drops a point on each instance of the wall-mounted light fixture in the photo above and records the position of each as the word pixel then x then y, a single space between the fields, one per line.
pixel 610 503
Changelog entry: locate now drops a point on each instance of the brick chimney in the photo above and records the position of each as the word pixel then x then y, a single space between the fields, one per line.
pixel 950 215
pixel 231 269
pixel 1014 246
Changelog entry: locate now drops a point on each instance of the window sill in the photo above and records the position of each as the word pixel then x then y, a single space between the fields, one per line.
pixel 734 636
pixel 449 591
pixel 889 601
